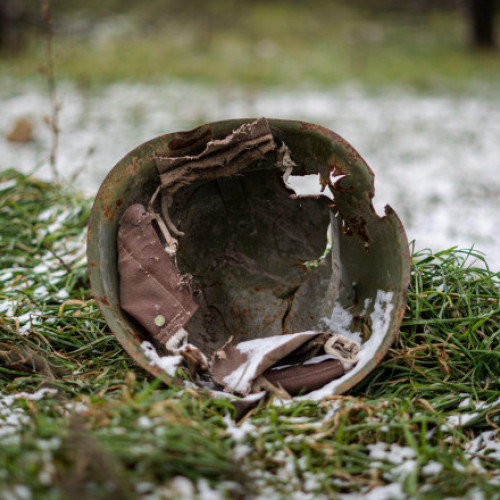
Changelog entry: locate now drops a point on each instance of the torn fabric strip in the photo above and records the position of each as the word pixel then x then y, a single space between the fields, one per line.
pixel 220 157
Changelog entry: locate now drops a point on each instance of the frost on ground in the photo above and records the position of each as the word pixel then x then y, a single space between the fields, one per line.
pixel 47 275
pixel 436 157
pixel 13 418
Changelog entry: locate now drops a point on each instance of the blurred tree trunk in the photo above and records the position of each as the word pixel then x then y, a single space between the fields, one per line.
pixel 16 17
pixel 482 15
pixel 3 23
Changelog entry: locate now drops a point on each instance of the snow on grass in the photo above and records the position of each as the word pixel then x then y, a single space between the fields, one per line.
pixel 432 469
pixel 392 491
pixel 403 457
pixel 12 419
pixel 463 419
pixel 485 444
pixel 168 364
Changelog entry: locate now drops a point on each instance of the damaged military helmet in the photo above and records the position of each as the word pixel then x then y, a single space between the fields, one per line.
pixel 203 258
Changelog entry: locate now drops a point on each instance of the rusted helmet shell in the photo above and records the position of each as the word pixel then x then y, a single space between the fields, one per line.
pixel 370 250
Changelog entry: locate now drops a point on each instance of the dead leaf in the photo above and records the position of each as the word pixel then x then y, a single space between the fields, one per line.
pixel 22 131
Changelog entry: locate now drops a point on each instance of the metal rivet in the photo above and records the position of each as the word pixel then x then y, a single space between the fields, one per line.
pixel 160 320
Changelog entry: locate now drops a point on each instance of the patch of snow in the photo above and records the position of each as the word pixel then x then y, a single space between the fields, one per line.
pixel 17 492
pixel 392 491
pixel 462 419
pixel 378 451
pixel 6 276
pixel 393 453
pixel 183 486
pixel 47 214
pixel 49 444
pixel 76 406
pixel 144 422
pixel 13 419
pixel 458 420
pixel 484 444
pixel 432 469
pixel 380 319
pixel 340 322
pixel 62 294
pixel 404 469
pixel 366 306
pixel 7 307
pixel 144 487
pixel 206 492
pixel 7 184
pixel 168 364
pixel 239 432
pixel 41 268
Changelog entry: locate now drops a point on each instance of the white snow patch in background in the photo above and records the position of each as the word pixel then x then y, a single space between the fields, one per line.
pixel 436 157
pixel 309 185
pixel 168 364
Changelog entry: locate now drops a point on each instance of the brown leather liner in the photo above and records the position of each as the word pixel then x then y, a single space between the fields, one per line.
pixel 305 378
pixel 152 291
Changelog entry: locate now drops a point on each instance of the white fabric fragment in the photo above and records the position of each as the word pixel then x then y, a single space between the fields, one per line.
pixel 177 340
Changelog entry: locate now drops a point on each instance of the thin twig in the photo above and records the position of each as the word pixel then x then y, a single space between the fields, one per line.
pixel 49 71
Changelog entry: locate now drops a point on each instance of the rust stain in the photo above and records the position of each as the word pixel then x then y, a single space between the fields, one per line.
pixel 108 211
pixel 102 301
pixel 188 138
pixel 107 197
pixel 357 224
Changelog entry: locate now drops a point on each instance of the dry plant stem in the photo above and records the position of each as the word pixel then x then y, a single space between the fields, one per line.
pixel 49 72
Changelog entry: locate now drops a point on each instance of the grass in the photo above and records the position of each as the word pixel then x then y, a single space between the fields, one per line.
pixel 105 429
pixel 258 44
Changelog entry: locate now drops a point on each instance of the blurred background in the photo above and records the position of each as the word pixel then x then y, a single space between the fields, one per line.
pixel 422 43
pixel 413 85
